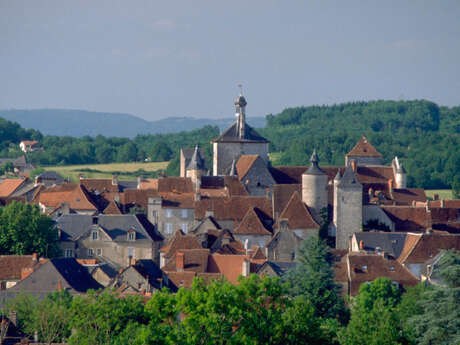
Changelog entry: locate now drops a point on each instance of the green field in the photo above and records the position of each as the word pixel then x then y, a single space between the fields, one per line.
pixel 445 194
pixel 123 170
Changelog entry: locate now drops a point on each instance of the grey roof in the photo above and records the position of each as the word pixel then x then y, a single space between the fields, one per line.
pixel 73 277
pixel 400 169
pixel 20 162
pixel 196 162
pixel 127 185
pixel 279 267
pixel 74 226
pixel 50 175
pixel 232 135
pixel 314 169
pixel 349 179
pixel 389 242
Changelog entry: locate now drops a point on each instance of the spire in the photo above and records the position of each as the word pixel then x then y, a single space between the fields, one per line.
pixel 240 105
pixel 233 169
pixel 349 178
pixel 314 169
pixel 196 162
pixel 338 177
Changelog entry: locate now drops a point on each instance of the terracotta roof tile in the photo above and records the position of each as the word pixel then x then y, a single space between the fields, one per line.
pixel 230 266
pixel 179 242
pixel 251 225
pixel 12 265
pixel 227 244
pixel 29 142
pixel 96 185
pixel 419 248
pixel 364 148
pixel 9 185
pixel 74 195
pixel 244 164
pixel 233 208
pixel 195 260
pixel 368 267
pixel 281 195
pixel 150 183
pixel 185 278
pixel 445 203
pixel 258 254
pixel 112 208
pixel 288 174
pixel 175 185
pixel 176 200
pixel 138 197
pixel 297 214
pixel 408 218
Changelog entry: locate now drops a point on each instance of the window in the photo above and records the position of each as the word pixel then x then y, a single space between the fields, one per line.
pixel 364 267
pixel 99 251
pixel 90 252
pixel 155 217
pixel 131 252
pixel 184 227
pixel 95 236
pixel 169 213
pixel 168 228
pixel 95 220
pixel 131 235
pixel 68 253
pixel 184 213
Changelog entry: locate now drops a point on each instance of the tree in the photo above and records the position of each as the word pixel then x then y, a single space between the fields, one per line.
pixel 160 152
pixel 24 230
pixel 313 277
pixel 456 187
pixel 374 319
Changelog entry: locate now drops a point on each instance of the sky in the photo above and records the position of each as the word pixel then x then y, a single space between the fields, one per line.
pixel 157 59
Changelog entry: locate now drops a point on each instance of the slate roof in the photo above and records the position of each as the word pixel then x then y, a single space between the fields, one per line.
pixel 297 214
pixel 314 168
pixel 279 267
pixel 349 179
pixel 364 148
pixel 231 135
pixel 244 164
pixel 51 175
pixel 225 243
pixel 196 161
pixel 252 225
pixel 73 226
pixel 9 186
pixel 73 277
pixel 389 242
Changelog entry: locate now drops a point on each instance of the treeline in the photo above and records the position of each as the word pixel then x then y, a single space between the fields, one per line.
pixel 302 309
pixel 424 136
pixel 92 150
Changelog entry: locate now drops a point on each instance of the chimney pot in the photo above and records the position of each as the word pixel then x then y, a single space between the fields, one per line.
pixel 361 245
pixel 35 257
pixel 25 272
pixel 246 268
pixel 353 165
pixel 59 285
pixel 133 261
pixel 180 261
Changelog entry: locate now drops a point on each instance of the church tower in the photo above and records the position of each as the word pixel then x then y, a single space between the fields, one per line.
pixel 239 139
pixel 314 188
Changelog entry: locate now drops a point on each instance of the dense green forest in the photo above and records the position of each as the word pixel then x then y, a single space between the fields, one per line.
pixel 423 135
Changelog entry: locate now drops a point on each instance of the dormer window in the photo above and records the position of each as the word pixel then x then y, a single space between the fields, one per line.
pixel 95 235
pixel 131 235
pixel 95 220
pixel 364 268
pixel 392 268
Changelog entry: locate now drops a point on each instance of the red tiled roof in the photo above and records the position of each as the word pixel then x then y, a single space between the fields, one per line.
pixel 297 214
pixel 137 197
pixel 244 164
pixel 281 195
pixel 408 218
pixel 176 200
pixel 364 148
pixel 445 203
pixel 288 174
pixel 175 185
pixel 9 186
pixel 112 208
pixel 195 260
pixel 74 195
pixel 29 142
pixel 258 254
pixel 419 248
pixel 12 265
pixel 100 185
pixel 233 208
pixel 150 183
pixel 230 266
pixel 185 278
pixel 179 242
pixel 251 225
pixel 368 267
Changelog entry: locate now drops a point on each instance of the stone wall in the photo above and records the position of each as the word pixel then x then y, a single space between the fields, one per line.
pixel 360 160
pixel 349 218
pixel 226 152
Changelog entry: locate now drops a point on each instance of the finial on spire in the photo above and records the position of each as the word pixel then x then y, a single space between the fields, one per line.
pixel 241 88
pixel 314 157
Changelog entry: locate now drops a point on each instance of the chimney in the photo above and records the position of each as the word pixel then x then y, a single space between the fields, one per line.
pixel 361 245
pixel 162 260
pixel 25 272
pixel 197 196
pixel 246 268
pixel 35 257
pixel 390 187
pixel 436 197
pixel 442 203
pixel 353 165
pixel 80 176
pixel 427 206
pixel 114 180
pixel 59 285
pixel 133 262
pixel 180 262
pixel 139 181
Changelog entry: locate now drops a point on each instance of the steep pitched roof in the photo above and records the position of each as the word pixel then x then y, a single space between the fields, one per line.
pixel 99 185
pixel 420 248
pixel 230 266
pixel 149 183
pixel 368 267
pixel 252 225
pixel 279 267
pixel 71 275
pixel 175 185
pixel 258 254
pixel 288 174
pixel 75 196
pixel 297 214
pixel 389 242
pixel 244 164
pixel 231 135
pixel 112 208
pixel 225 243
pixel 179 242
pixel 408 218
pixel 364 148
pixel 195 260
pixel 9 186
pixel 12 265
pixel 196 161
pixel 281 194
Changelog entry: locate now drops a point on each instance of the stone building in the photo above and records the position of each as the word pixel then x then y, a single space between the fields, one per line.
pixel 237 140
pixel 364 154
pixel 253 173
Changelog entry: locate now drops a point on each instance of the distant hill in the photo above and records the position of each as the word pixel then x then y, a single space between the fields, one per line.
pixel 78 123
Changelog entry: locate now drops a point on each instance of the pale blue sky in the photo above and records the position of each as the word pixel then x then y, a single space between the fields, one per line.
pixel 157 59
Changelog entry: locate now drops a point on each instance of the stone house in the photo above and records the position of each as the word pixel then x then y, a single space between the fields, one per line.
pixel 115 238
pixel 253 173
pixel 14 268
pixel 252 230
pixel 29 145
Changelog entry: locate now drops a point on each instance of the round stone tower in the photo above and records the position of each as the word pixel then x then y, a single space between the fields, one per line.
pixel 314 188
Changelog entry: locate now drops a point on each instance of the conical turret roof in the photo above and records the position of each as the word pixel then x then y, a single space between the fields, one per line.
pixel 196 162
pixel 349 178
pixel 314 168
